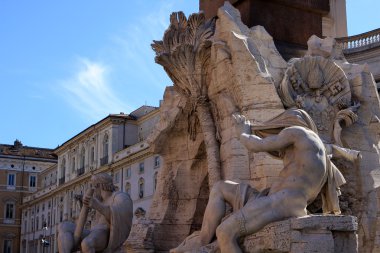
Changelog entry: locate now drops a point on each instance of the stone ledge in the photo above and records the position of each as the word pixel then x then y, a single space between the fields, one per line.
pixel 309 234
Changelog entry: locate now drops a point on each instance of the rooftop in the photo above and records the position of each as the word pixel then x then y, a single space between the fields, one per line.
pixel 18 149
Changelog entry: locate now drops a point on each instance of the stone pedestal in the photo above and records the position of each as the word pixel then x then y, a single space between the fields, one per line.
pixel 317 234
pixel 140 239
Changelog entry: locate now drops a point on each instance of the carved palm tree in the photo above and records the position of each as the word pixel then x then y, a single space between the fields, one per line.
pixel 184 53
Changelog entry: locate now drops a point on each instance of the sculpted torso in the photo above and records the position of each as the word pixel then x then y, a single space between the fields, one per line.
pixel 300 181
pixel 101 221
pixel 304 163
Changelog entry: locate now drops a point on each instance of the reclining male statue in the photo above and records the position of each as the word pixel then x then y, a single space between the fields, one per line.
pixel 308 171
pixel 114 213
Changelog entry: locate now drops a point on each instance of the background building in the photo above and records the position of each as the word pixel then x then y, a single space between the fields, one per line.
pixel 115 145
pixel 20 167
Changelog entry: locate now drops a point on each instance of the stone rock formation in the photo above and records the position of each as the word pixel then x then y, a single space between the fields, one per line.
pixel 221 69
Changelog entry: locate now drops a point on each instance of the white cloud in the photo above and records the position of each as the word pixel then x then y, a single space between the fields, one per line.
pixel 89 91
pixel 134 45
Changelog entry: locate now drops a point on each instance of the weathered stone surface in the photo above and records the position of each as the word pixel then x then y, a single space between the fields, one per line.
pixel 317 234
pixel 140 239
pixel 243 74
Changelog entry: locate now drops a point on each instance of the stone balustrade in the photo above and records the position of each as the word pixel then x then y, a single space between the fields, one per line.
pixel 130 150
pixel 360 40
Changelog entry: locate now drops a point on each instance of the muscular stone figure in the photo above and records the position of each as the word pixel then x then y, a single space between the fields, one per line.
pixel 307 171
pixel 114 213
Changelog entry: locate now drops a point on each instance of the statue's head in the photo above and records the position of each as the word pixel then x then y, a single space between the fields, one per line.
pixel 103 181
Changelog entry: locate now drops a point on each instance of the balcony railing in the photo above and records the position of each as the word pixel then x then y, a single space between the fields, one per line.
pixel 80 171
pixel 104 160
pixel 360 40
pixel 61 181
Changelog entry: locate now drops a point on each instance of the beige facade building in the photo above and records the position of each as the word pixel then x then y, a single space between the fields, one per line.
pixel 20 170
pixel 116 145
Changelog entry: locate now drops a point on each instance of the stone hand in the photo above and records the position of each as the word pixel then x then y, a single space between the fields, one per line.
pixel 86 200
pixel 242 125
pixel 91 202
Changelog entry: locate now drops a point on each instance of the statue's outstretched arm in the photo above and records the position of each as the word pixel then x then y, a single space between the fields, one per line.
pixel 272 143
pixel 255 143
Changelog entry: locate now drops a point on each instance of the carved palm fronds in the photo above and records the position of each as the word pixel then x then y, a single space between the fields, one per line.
pixel 184 53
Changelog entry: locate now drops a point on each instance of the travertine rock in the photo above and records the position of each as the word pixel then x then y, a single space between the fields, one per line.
pixel 140 239
pixel 360 193
pixel 317 234
pixel 243 73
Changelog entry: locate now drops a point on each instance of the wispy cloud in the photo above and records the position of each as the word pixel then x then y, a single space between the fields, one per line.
pixel 89 91
pixel 134 44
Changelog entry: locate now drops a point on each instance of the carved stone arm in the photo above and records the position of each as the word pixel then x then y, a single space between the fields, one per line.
pixel 272 143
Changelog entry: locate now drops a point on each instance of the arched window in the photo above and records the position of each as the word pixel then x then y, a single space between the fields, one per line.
pixel 92 155
pixel 155 181
pixel 105 145
pixel 73 164
pixel 43 224
pixel 49 220
pixel 104 159
pixel 37 223
pixel 156 161
pixel 82 158
pixel 141 188
pixel 63 168
pixel 128 188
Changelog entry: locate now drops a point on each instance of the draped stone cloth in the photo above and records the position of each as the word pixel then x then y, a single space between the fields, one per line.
pixel 120 220
pixel 330 190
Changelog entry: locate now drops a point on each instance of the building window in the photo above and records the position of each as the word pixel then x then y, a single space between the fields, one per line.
pixel 82 158
pixel 128 173
pixel 141 168
pixel 9 211
pixel 11 180
pixel 7 246
pixel 32 181
pixel 49 220
pixel 105 145
pixel 141 188
pixel 155 181
pixel 128 188
pixel 116 178
pixel 156 161
pixel 104 159
pixel 32 225
pixel 43 221
pixel 63 168
pixel 92 155
pixel 73 164
pixel 37 223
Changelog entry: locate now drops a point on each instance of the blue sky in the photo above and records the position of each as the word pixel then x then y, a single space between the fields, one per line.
pixel 65 65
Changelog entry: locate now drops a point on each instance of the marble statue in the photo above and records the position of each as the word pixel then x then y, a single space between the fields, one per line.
pixel 292 136
pixel 114 213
